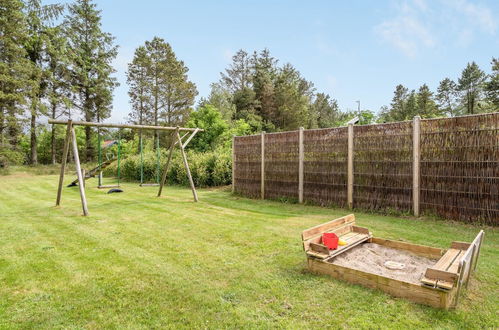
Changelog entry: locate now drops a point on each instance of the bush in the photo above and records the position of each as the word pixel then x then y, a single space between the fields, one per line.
pixel 212 168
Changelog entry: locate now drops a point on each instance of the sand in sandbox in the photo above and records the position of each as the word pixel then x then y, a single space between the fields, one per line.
pixel 371 258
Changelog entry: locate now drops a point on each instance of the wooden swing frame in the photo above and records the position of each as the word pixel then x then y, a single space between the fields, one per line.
pixel 71 139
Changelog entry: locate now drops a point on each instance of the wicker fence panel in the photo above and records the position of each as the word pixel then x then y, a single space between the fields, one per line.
pixel 460 168
pixel 325 166
pixel 281 165
pixel 247 159
pixel 382 167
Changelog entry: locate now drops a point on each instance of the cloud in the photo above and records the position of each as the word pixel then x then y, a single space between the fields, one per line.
pixel 407 30
pixel 476 14
pixel 416 26
pixel 407 34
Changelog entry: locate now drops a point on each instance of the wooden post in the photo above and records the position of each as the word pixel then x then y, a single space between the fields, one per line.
pixel 262 167
pixel 83 174
pixel 67 141
pixel 301 157
pixel 350 167
pixel 81 180
pixel 416 158
pixel 165 172
pixel 233 163
pixel 186 164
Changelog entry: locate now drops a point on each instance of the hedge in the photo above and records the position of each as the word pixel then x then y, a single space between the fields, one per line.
pixel 213 168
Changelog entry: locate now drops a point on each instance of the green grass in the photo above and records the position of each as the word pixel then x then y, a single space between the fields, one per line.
pixel 226 262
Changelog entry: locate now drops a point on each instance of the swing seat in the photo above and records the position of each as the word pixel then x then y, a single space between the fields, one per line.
pixel 114 190
pixel 149 184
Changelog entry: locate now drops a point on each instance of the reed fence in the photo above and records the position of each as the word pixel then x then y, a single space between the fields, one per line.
pixel 447 167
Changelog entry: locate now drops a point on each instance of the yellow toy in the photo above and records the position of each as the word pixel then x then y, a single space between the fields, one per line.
pixel 342 242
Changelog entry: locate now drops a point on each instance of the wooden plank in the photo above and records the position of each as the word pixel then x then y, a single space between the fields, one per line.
pixel 423 250
pixel 262 167
pixel 301 157
pixel 480 235
pixel 362 230
pixel 81 182
pixel 168 161
pixel 156 128
pixel 319 229
pixel 352 242
pixel 416 156
pixel 440 275
pixel 397 288
pixel 350 167
pixel 460 245
pixel 189 138
pixel 445 262
pixel 149 185
pixel 67 142
pixel 186 165
pixel 319 248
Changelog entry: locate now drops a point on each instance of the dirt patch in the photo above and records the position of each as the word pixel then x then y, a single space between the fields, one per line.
pixel 371 258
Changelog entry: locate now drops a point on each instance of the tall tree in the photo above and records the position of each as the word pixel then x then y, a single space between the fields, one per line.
pixel 58 86
pixel 38 17
pixel 324 112
pixel 426 106
pixel 139 89
pixel 14 74
pixel 92 52
pixel 238 76
pixel 492 86
pixel 221 99
pixel 293 98
pixel 470 84
pixel 447 97
pixel 171 92
pixel 398 109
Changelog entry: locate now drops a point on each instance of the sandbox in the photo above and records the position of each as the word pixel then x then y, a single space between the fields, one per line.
pixel 423 274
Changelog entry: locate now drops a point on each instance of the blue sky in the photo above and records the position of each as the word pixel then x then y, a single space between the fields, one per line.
pixel 352 50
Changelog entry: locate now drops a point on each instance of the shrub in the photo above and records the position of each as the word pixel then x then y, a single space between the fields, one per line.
pixel 212 168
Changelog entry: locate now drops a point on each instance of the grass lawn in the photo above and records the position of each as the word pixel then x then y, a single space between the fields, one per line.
pixel 144 262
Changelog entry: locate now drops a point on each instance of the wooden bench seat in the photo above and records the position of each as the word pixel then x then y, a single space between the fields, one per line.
pixel 346 230
pixel 456 262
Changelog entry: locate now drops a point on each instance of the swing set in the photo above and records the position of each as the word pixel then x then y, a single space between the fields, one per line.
pixel 82 176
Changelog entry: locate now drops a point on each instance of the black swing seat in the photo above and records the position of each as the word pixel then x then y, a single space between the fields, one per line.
pixel 114 190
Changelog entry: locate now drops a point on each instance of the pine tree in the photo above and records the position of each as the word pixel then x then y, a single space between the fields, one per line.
pixel 38 18
pixel 492 86
pixel 58 87
pixel 92 52
pixel 15 71
pixel 238 76
pixel 171 93
pixel 447 97
pixel 324 112
pixel 426 107
pixel 140 89
pixel 398 110
pixel 470 84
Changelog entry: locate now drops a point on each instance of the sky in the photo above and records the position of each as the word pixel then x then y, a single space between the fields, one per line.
pixel 351 50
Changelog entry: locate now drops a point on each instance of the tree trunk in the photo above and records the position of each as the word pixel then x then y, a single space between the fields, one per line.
pixel 34 154
pixel 52 137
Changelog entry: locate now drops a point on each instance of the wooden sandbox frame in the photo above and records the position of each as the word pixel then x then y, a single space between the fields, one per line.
pixel 440 284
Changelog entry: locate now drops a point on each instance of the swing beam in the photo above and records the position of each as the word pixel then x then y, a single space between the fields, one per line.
pixel 71 139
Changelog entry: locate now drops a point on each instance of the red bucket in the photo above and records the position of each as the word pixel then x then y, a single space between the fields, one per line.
pixel 330 240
